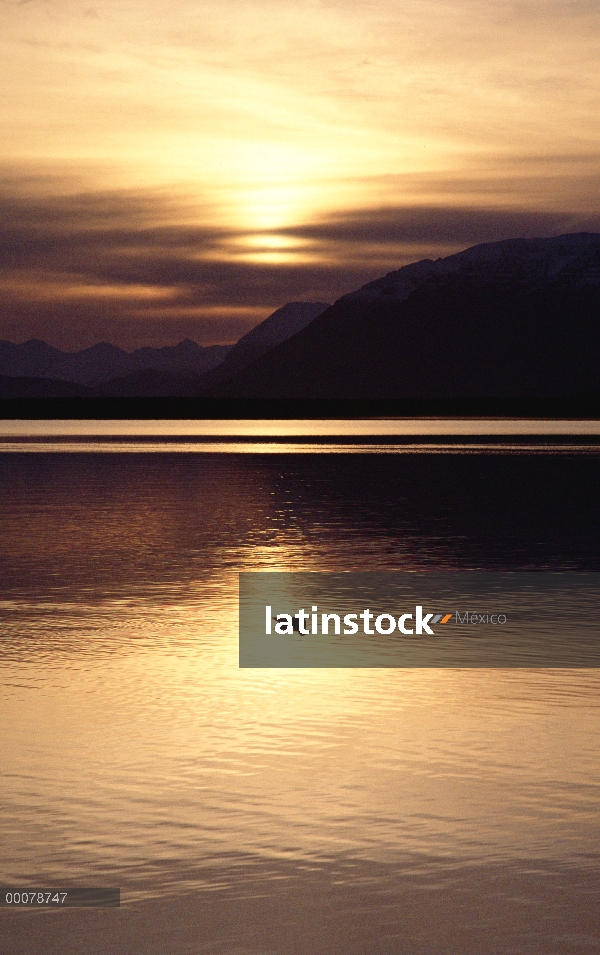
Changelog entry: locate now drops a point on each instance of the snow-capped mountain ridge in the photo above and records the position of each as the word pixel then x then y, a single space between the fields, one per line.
pixel 534 262
pixel 512 319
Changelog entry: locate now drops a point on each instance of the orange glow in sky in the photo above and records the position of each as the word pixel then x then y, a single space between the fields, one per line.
pixel 185 169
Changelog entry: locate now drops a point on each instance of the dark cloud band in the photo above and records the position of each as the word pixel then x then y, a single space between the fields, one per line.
pixel 174 280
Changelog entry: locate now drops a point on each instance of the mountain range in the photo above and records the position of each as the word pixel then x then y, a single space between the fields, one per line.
pixel 102 362
pixel 518 318
pixel 36 369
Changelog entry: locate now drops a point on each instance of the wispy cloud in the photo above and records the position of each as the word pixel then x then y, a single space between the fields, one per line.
pixel 130 266
pixel 236 154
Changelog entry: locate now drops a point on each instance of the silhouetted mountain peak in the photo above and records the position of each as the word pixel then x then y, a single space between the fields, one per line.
pixel 528 261
pixel 513 318
pixel 33 346
pixel 103 361
pixel 281 325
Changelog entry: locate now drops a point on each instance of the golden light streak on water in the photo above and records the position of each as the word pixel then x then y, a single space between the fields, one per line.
pixel 264 428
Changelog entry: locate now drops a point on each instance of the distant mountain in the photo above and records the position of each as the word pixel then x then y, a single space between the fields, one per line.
pixel 185 382
pixel 13 387
pixel 102 362
pixel 186 369
pixel 149 383
pixel 281 325
pixel 514 318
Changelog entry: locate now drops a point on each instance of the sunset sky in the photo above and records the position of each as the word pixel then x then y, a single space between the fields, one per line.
pixel 183 168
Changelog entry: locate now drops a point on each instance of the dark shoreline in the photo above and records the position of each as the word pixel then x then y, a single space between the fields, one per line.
pixel 583 406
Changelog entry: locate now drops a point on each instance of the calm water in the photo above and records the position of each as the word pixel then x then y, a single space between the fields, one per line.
pixel 355 812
